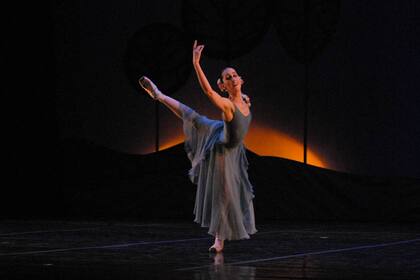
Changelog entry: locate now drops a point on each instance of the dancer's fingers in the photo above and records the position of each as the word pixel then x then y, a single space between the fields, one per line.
pixel 195 44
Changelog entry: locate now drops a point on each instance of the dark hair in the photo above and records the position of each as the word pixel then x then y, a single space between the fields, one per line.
pixel 221 73
pixel 221 77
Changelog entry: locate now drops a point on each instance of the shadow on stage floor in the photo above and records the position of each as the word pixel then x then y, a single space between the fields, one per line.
pixel 115 250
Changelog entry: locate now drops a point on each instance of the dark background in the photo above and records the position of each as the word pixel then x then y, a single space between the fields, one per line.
pixel 70 106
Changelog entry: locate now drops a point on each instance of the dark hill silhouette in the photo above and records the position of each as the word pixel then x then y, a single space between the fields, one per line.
pixel 93 182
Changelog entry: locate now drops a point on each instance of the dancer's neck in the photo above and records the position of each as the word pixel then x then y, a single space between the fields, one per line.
pixel 237 98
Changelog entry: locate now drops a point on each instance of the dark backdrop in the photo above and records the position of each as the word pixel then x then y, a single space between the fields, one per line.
pixel 363 86
pixel 66 77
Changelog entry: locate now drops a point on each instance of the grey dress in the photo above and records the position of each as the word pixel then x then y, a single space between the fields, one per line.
pixel 219 169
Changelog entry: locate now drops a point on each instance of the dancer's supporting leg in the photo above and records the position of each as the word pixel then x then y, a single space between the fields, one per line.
pixel 218 244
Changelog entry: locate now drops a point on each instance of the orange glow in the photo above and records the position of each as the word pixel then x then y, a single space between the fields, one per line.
pixel 263 141
pixel 165 144
pixel 172 142
pixel 266 141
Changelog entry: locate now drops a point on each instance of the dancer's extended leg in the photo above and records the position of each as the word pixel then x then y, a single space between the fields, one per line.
pixel 174 105
pixel 182 111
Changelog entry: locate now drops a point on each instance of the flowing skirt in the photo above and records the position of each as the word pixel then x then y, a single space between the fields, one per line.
pixel 224 194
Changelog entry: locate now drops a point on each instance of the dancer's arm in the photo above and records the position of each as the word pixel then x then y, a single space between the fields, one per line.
pixel 220 102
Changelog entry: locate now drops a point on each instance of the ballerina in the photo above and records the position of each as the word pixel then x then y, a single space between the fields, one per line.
pixel 215 148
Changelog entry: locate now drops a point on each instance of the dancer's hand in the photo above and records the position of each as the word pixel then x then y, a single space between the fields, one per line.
pixel 197 52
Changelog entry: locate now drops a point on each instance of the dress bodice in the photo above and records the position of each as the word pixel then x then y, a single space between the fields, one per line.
pixel 236 129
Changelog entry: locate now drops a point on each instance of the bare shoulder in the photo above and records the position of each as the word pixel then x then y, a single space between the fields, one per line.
pixel 229 106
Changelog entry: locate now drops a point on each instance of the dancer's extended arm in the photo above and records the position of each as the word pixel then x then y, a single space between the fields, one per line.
pixel 220 102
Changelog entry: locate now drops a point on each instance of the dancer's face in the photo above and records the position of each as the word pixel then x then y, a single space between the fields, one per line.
pixel 232 82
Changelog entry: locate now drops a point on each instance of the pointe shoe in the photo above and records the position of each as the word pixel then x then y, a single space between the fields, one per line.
pixel 149 87
pixel 214 249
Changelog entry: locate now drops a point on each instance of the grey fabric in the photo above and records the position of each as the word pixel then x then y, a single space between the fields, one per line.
pixel 219 169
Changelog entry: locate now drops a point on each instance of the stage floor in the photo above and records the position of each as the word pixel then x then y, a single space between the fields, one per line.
pixel 116 250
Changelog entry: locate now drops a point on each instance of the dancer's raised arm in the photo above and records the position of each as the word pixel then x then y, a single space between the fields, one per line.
pixel 220 102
